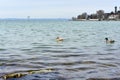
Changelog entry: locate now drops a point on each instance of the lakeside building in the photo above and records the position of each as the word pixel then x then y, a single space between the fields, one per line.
pixel 99 15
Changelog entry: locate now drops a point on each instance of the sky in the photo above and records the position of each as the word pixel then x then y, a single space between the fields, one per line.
pixel 53 8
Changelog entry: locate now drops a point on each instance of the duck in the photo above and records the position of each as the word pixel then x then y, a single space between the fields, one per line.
pixel 59 39
pixel 109 41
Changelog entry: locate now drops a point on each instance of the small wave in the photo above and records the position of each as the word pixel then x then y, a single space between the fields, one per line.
pixel 107 65
pixel 26 49
pixel 2 49
pixel 71 55
pixel 55 51
pixel 107 59
pixel 103 79
pixel 111 49
pixel 41 47
pixel 80 69
pixel 68 63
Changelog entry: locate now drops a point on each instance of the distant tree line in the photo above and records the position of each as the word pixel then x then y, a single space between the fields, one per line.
pixel 99 15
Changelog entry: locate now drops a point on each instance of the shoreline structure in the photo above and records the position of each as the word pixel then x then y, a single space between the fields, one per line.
pixel 100 15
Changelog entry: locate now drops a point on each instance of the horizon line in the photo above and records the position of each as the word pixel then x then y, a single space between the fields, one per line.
pixel 33 18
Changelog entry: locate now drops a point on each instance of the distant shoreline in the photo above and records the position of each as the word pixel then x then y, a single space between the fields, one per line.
pixel 93 20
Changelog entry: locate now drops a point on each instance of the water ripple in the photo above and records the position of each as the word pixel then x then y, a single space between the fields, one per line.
pixel 83 54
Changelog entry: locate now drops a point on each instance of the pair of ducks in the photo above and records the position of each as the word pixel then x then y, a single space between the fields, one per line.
pixel 107 40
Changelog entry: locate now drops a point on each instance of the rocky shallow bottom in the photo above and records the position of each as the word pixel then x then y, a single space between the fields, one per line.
pixel 44 74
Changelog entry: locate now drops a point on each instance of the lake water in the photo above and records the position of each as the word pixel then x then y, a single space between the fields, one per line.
pixel 31 45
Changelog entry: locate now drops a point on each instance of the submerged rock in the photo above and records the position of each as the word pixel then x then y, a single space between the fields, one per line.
pixel 44 74
pixel 39 71
pixel 13 75
pixel 103 79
